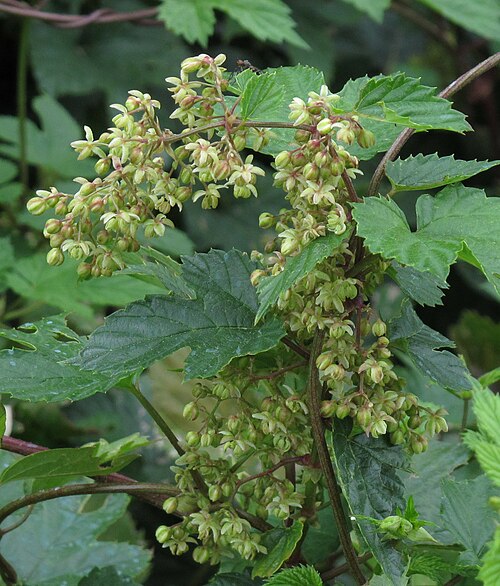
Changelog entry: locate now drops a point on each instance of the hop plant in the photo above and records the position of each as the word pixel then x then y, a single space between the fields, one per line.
pixel 232 464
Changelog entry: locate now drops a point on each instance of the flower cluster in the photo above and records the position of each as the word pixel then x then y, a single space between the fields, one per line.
pixel 142 176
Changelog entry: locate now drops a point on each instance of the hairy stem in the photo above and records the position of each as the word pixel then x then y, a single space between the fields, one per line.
pixel 318 432
pixel 449 91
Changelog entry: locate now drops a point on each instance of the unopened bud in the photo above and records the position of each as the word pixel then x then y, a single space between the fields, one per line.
pixel 55 257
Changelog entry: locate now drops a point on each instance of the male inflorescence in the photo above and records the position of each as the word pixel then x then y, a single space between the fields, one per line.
pixel 251 458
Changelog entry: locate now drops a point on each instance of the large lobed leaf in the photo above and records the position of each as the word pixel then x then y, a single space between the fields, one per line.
pixel 387 104
pixel 270 288
pixel 401 100
pixel 424 288
pixel 422 345
pixel 368 472
pixel 267 97
pixel 38 370
pixel 264 19
pixel 430 171
pixel 458 221
pixel 217 325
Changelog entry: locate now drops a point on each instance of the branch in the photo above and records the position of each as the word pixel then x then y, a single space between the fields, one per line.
pixel 318 432
pixel 449 91
pixel 101 16
pixel 79 489
pixel 18 446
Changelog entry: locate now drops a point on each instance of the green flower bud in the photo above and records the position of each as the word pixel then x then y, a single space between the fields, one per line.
pixel 201 555
pixel 364 416
pixel 282 159
pixel 266 220
pixel 328 409
pixel 37 206
pixel 55 257
pixel 214 493
pixel 192 439
pixel 170 505
pixel 163 533
pixel 343 411
pixel 398 437
pixel 84 270
pixel 365 138
pixel 103 166
pixel 324 126
pixel 190 411
pixel 379 328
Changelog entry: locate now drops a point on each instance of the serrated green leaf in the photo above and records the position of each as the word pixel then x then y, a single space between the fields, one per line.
pixel 363 463
pixel 284 543
pixel 424 288
pixel 294 82
pixel 65 464
pixel 232 579
pixel 59 287
pixel 266 20
pixel 218 325
pixel 401 100
pixel 297 576
pixel 429 469
pixel 270 288
pixel 262 98
pixel 457 218
pixel 430 171
pixel 490 569
pixel 431 566
pixel 374 8
pixel 39 371
pixel 108 576
pixel 63 525
pixel 194 20
pixel 467 516
pixel 422 346
pixel 482 18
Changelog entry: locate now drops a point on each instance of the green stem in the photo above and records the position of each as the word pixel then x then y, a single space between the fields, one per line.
pixel 318 432
pixel 449 91
pixel 167 431
pixel 22 73
pixel 159 420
